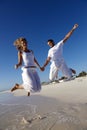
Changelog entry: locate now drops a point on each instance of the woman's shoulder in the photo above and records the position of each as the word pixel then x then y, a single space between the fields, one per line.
pixel 19 52
pixel 31 51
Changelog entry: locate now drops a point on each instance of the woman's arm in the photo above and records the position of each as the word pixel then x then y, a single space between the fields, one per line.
pixel 36 62
pixel 19 60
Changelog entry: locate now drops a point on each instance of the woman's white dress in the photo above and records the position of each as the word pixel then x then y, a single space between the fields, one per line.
pixel 31 80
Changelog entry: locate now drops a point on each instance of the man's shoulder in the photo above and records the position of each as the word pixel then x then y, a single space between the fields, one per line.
pixel 60 42
pixel 51 49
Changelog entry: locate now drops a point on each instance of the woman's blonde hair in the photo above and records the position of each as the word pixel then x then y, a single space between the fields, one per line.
pixel 18 42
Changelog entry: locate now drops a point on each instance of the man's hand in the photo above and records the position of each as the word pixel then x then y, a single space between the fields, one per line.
pixel 42 68
pixel 75 26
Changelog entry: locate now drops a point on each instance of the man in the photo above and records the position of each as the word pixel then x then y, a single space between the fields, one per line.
pixel 56 58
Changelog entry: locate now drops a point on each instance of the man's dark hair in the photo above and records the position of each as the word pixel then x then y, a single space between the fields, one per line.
pixel 51 40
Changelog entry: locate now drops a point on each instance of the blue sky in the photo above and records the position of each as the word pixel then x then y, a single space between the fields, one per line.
pixel 38 21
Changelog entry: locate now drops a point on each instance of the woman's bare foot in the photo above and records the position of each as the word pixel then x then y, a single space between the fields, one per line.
pixel 15 87
pixel 28 93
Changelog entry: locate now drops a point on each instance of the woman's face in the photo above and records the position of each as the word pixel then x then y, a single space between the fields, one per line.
pixel 24 45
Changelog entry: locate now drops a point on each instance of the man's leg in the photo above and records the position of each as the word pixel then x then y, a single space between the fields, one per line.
pixel 53 72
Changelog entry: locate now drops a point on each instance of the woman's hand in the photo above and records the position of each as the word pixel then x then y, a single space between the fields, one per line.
pixel 42 68
pixel 16 66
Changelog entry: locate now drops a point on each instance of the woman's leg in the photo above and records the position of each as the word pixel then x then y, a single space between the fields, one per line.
pixel 17 86
pixel 37 80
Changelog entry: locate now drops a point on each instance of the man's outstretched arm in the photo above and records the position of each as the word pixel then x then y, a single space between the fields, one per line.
pixel 70 33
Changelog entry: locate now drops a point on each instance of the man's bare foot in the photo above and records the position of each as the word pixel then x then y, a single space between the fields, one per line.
pixel 28 93
pixel 15 87
pixel 73 71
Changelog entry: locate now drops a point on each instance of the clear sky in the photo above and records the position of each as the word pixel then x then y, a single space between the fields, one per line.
pixel 38 21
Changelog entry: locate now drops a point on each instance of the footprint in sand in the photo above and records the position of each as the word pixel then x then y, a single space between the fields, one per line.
pixel 24 121
pixel 38 117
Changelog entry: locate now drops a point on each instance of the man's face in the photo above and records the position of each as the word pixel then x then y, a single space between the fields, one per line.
pixel 50 44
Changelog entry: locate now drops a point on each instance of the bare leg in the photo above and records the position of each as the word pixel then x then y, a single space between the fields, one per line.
pixel 73 71
pixel 17 86
pixel 28 93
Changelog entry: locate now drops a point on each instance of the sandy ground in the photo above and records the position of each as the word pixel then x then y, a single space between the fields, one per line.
pixel 59 106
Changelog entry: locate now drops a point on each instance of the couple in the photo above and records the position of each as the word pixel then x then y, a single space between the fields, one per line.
pixel 31 80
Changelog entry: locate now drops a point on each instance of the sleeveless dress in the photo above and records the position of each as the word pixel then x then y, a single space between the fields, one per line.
pixel 31 80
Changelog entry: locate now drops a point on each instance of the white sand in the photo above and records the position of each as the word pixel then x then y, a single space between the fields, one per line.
pixel 74 91
pixel 59 106
pixel 70 91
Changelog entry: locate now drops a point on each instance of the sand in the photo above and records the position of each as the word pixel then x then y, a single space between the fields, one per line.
pixel 59 106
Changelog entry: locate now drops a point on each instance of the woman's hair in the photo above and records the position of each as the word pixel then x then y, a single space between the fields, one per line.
pixel 18 42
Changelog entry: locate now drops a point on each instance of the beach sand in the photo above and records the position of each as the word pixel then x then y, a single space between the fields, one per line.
pixel 59 106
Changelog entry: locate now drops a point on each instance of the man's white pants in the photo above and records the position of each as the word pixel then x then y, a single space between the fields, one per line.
pixel 59 65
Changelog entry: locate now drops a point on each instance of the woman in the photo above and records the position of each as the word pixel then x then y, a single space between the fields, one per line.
pixel 31 80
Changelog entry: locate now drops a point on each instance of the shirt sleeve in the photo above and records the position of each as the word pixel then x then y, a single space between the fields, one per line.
pixel 57 46
pixel 59 43
pixel 49 54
